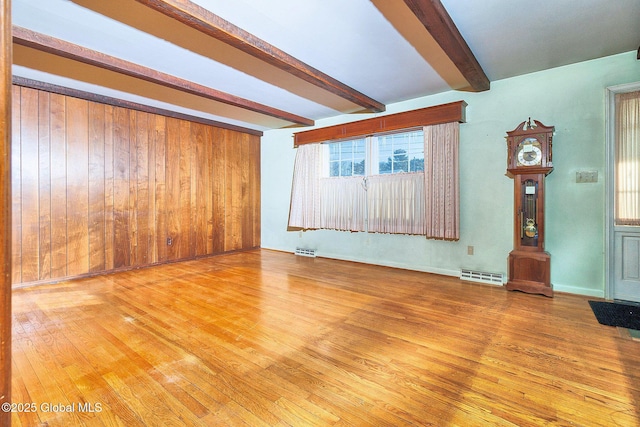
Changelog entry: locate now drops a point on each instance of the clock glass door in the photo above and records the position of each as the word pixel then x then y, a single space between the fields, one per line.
pixel 529 214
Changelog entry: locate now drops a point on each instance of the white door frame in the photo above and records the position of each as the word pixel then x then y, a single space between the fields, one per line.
pixel 610 155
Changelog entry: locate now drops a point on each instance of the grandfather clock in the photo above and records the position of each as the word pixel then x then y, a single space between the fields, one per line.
pixel 530 162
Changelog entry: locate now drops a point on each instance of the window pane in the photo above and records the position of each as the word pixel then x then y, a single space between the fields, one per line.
pixel 346 168
pixel 402 152
pixel 334 152
pixel 347 158
pixel 627 191
pixel 417 165
pixel 400 163
pixel 334 169
pixel 384 155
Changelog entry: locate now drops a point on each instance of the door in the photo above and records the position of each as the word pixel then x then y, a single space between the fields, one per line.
pixel 626 283
pixel 624 193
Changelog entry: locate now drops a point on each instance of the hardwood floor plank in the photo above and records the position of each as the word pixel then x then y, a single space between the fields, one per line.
pixel 266 338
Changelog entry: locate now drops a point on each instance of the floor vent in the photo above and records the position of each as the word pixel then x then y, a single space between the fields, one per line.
pixel 305 252
pixel 481 276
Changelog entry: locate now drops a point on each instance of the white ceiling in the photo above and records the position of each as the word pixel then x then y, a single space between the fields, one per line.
pixel 352 41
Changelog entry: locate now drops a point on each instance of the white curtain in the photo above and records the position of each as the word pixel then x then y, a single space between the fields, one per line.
pixel 343 201
pixel 442 194
pixel 304 211
pixel 407 203
pixel 628 159
pixel 396 203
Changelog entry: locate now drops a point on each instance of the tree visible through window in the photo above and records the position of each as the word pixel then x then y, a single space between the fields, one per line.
pixel 403 152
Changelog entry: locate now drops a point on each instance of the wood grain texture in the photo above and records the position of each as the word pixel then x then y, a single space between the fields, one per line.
pixel 58 186
pixel 98 188
pixel 109 228
pixel 267 338
pixel 436 19
pixel 77 137
pixel 44 184
pixel 121 190
pixel 218 181
pixel 159 142
pixel 184 199
pixel 7 93
pixel 29 194
pixel 16 188
pixel 438 114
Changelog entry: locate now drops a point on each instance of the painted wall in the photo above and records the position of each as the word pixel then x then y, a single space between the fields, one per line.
pixel 571 98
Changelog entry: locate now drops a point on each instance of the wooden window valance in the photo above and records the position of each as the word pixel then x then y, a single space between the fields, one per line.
pixel 438 114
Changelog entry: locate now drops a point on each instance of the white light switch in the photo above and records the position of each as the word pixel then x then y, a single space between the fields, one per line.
pixel 586 176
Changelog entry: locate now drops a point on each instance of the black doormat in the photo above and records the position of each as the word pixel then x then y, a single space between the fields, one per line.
pixel 614 314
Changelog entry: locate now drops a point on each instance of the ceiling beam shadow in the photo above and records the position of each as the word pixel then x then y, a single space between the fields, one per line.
pixel 212 25
pixel 44 43
pixel 437 21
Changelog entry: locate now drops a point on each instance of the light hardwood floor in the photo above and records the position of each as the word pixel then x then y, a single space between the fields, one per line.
pixel 264 338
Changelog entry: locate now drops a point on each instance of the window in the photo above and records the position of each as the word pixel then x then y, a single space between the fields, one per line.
pixel 347 158
pixel 377 155
pixel 380 184
pixel 400 152
pixel 627 151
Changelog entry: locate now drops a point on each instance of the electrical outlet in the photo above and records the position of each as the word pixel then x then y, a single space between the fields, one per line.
pixel 169 241
pixel 469 250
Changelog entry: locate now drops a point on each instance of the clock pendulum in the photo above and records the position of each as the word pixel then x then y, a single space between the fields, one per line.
pixel 529 162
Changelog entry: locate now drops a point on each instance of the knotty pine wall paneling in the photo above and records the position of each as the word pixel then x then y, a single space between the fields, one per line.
pixel 16 189
pixel 77 116
pixel 98 188
pixel 58 163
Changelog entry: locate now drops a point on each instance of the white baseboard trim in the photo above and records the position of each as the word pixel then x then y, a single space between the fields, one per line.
pixel 441 271
pixel 596 293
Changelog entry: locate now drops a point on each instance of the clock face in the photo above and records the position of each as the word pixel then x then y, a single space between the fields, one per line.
pixel 529 152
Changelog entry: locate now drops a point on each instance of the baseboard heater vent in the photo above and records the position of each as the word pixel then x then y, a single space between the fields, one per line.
pixel 481 276
pixel 305 252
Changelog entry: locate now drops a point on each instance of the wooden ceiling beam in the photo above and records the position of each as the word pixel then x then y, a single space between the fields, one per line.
pixel 44 43
pixel 437 21
pixel 212 25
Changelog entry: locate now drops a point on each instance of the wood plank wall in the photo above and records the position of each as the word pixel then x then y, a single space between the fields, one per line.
pixel 98 188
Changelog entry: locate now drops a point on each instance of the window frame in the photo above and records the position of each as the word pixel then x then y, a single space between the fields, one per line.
pixel 327 160
pixel 372 153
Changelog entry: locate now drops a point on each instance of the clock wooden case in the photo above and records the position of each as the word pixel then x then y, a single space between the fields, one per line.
pixel 529 162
